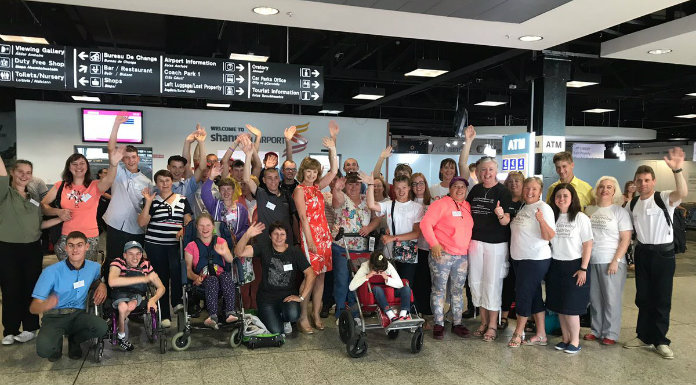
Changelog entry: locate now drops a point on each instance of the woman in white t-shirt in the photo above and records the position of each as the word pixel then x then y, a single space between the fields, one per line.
pixel 567 283
pixel 449 168
pixel 612 229
pixel 403 218
pixel 531 230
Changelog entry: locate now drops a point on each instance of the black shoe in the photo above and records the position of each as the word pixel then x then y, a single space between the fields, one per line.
pixel 124 344
pixel 324 311
pixel 469 313
pixel 74 350
pixel 55 357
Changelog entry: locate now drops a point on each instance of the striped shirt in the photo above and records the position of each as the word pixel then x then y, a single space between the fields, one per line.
pixel 166 220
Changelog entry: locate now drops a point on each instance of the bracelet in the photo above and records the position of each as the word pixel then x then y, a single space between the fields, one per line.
pixel 583 268
pixel 301 298
pixel 677 171
pixel 501 217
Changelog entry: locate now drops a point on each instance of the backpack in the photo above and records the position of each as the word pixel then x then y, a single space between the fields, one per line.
pixel 677 222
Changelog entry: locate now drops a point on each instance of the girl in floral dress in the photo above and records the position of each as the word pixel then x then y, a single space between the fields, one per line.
pixel 315 237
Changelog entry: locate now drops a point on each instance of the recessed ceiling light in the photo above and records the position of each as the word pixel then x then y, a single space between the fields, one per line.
pixel 659 51
pixel 490 103
pixel 265 11
pixel 24 39
pixel 85 98
pixel 578 84
pixel 528 38
pixel 248 57
pixel 687 116
pixel 429 68
pixel 599 110
pixel 218 105
pixel 370 93
pixel 691 94
pixel 331 112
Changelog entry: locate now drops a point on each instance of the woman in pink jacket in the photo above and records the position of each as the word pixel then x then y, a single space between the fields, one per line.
pixel 446 227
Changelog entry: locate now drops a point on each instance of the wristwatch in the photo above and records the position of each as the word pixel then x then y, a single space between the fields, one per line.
pixel 677 171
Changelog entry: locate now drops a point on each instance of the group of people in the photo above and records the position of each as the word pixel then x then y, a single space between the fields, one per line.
pixel 468 235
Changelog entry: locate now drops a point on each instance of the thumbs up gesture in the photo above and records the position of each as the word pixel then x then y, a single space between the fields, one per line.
pixel 499 212
pixel 539 215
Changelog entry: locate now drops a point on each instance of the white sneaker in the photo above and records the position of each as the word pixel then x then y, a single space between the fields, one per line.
pixel 287 328
pixel 665 351
pixel 25 336
pixel 8 340
pixel 636 343
pixel 358 321
pixel 166 323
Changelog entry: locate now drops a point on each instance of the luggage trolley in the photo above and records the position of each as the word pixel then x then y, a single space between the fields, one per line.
pixel 354 336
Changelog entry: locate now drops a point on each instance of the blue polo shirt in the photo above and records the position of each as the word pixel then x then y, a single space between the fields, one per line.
pixel 68 283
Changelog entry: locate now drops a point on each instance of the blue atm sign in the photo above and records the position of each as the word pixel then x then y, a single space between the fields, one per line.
pixel 514 163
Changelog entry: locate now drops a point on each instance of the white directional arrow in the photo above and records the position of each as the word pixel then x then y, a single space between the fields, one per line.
pixel 82 55
pixel 240 67
pixel 83 68
pixel 240 91
pixel 315 96
pixel 315 84
pixel 240 79
pixel 83 81
pixel 315 73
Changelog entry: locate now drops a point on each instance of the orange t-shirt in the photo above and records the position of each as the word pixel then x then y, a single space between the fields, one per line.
pixel 82 202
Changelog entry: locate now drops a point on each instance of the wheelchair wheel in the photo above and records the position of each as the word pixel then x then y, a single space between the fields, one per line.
pixel 236 337
pixel 147 324
pixel 357 347
pixel 163 345
pixel 393 334
pixel 98 353
pixel 181 343
pixel 346 327
pixel 417 341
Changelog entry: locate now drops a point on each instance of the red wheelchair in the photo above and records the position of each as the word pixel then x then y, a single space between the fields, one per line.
pixel 354 336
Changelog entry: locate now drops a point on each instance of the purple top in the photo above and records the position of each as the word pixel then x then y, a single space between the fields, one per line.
pixel 237 220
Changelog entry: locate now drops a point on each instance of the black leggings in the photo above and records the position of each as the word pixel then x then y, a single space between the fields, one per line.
pixel 508 289
pixel 165 261
pixel 423 285
pixel 21 267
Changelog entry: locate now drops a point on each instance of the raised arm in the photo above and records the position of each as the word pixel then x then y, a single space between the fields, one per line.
pixel 186 152
pixel 202 155
pixel 337 196
pixel 242 249
pixel 370 195
pixel 225 161
pixel 144 216
pixel 207 196
pixel 289 133
pixel 675 161
pixel 386 153
pixel 333 162
pixel 257 133
pixel 224 251
pixel 113 138
pixel 115 156
pixel 248 148
pixel 463 163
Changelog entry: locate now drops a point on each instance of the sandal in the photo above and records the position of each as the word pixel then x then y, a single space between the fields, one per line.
pixel 515 341
pixel 231 318
pixel 479 332
pixel 209 322
pixel 490 337
pixel 503 324
pixel 536 340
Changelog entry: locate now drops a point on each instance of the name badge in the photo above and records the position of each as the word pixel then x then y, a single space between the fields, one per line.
pixel 456 213
pixel 78 284
pixel 231 217
pixel 270 206
pixel 32 201
pixel 287 267
pixel 85 197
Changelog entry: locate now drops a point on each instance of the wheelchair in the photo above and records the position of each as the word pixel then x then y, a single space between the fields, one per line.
pixel 151 319
pixel 354 336
pixel 192 295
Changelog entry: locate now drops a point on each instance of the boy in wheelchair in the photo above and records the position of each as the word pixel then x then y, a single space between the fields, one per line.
pixel 129 277
pixel 379 266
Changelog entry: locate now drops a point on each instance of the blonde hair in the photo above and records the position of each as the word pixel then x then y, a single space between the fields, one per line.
pixel 618 197
pixel 534 179
pixel 309 163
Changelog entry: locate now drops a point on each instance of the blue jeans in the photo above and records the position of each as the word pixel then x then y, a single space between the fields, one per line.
pixel 404 293
pixel 341 280
pixel 273 314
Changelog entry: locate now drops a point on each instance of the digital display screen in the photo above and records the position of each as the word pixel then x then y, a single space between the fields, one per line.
pixel 97 125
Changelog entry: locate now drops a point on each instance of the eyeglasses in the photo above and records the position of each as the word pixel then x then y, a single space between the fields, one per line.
pixel 290 169
pixel 416 184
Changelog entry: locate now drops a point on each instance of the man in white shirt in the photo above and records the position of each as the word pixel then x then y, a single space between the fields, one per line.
pixel 652 215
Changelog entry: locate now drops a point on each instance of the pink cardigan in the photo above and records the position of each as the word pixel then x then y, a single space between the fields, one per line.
pixel 440 226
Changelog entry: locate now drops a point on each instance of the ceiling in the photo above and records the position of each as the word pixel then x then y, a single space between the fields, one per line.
pixel 644 94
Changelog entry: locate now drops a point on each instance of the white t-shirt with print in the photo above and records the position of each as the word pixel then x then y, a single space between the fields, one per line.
pixel 567 244
pixel 437 191
pixel 607 223
pixel 650 222
pixel 526 241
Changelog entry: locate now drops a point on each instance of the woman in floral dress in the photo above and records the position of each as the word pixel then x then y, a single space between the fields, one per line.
pixel 315 237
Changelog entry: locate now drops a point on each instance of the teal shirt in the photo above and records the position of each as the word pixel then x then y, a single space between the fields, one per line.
pixel 20 218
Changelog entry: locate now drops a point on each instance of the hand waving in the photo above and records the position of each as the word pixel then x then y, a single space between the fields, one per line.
pixel 328 142
pixel 470 133
pixel 149 196
pixel 333 129
pixel 340 184
pixel 116 155
pixel 255 229
pixel 386 153
pixel 675 158
pixel 121 118
pixel 365 178
pixel 215 171
pixel 290 132
pixel 200 134
pixel 253 130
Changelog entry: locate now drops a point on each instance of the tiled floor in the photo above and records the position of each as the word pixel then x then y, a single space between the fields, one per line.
pixel 321 358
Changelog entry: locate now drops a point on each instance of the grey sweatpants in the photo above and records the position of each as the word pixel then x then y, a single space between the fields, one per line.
pixel 606 292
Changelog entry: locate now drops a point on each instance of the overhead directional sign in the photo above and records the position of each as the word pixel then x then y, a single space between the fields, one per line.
pixel 148 73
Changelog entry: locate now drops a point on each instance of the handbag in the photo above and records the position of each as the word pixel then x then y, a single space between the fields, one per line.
pixel 403 251
pixel 54 232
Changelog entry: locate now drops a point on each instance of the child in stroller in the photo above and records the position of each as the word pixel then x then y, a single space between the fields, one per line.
pixel 208 261
pixel 379 266
pixel 128 278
